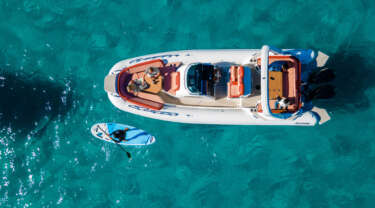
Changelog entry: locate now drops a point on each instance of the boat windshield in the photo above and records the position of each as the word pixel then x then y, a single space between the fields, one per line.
pixel 198 78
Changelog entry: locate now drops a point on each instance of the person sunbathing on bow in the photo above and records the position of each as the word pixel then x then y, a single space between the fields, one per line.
pixel 137 85
pixel 153 73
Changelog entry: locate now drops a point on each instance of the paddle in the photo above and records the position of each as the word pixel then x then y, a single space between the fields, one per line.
pixel 127 153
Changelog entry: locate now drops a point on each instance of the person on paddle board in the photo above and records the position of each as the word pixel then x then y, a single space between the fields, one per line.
pixel 119 135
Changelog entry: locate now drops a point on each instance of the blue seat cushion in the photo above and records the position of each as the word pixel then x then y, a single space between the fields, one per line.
pixel 204 87
pixel 247 81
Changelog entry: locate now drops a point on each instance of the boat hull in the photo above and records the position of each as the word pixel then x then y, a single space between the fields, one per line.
pixel 202 115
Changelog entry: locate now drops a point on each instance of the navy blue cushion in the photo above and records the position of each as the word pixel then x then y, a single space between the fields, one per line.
pixel 247 81
pixel 203 87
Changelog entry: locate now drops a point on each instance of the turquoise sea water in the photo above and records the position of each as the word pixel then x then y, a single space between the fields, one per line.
pixel 54 55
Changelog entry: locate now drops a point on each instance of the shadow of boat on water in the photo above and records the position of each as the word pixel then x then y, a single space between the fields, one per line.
pixel 354 75
pixel 28 104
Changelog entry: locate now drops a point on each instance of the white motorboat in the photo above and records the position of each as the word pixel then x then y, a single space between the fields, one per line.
pixel 234 87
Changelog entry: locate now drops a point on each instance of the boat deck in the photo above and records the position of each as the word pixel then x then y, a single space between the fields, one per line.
pixel 155 100
pixel 220 99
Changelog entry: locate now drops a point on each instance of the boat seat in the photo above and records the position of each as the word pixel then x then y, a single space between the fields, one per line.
pixel 127 74
pixel 247 81
pixel 124 78
pixel 290 83
pixel 204 87
pixel 175 82
pixel 171 82
pixel 150 96
pixel 235 84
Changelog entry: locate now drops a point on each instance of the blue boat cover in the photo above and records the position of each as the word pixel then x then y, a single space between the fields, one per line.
pixel 247 81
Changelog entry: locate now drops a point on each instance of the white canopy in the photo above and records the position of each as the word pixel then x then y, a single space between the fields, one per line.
pixel 264 81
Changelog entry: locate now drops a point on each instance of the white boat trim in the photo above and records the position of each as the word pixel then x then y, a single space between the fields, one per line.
pixel 264 82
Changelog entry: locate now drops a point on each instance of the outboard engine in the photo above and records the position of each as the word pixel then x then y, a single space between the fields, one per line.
pixel 325 91
pixel 321 92
pixel 322 76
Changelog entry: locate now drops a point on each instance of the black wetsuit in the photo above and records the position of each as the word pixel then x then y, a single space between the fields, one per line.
pixel 119 135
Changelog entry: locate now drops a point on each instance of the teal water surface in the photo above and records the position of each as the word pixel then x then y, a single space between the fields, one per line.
pixel 54 55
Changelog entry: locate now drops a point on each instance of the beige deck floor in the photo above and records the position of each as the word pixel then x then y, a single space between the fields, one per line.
pixel 211 102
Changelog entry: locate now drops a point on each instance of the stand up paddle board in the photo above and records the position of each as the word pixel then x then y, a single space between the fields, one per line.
pixel 134 135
